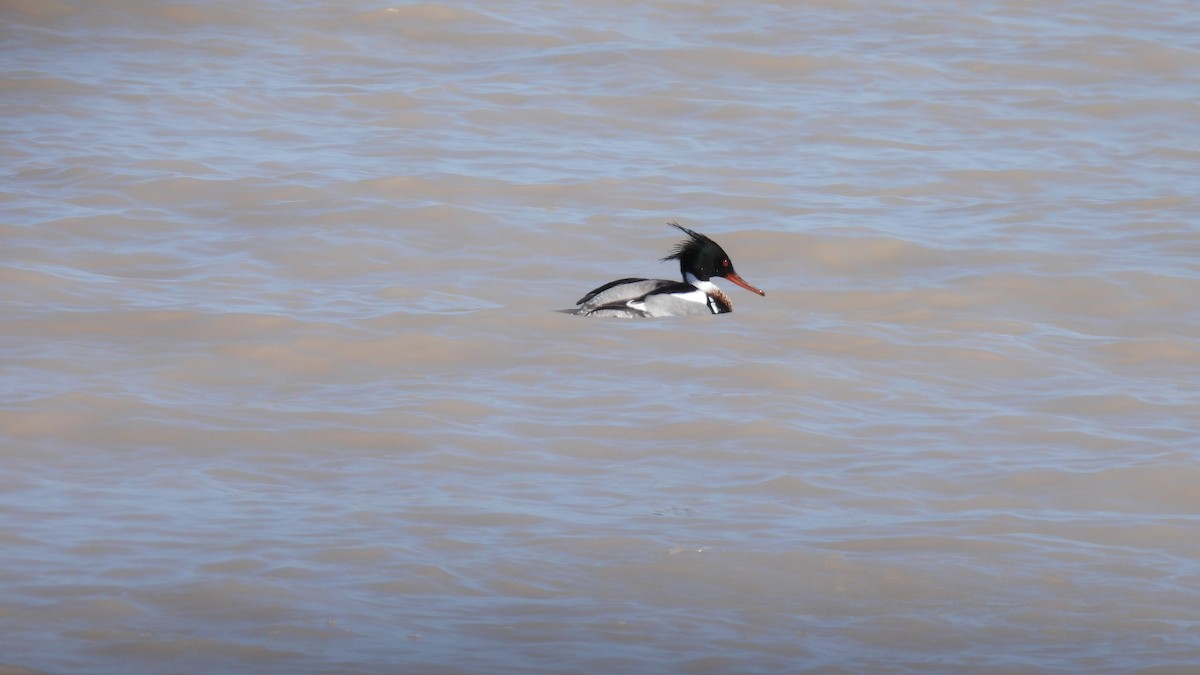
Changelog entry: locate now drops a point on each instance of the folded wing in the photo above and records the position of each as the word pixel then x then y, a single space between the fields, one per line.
pixel 641 298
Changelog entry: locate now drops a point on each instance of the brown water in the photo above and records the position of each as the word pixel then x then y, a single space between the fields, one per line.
pixel 283 390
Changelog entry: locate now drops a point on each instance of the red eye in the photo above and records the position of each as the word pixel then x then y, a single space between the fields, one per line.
pixel 725 262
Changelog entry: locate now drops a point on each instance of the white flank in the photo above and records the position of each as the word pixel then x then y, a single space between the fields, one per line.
pixel 695 296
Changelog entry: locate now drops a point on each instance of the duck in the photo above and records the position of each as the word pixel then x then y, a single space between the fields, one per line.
pixel 700 261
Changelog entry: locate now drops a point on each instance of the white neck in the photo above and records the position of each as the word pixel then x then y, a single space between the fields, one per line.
pixel 706 286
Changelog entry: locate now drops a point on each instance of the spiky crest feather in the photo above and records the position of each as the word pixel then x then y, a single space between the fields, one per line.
pixel 697 240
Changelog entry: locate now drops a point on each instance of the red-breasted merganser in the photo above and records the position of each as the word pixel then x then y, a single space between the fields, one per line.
pixel 700 259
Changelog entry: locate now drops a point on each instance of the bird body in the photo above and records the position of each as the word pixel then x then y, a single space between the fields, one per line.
pixel 700 259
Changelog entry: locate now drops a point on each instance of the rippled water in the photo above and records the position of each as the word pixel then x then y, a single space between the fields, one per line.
pixel 284 392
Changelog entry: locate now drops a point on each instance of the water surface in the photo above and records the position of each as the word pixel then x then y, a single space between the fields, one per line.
pixel 284 391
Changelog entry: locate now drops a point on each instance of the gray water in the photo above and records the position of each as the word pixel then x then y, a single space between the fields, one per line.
pixel 283 388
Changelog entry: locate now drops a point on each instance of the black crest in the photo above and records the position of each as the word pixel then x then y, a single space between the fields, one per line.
pixel 689 246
